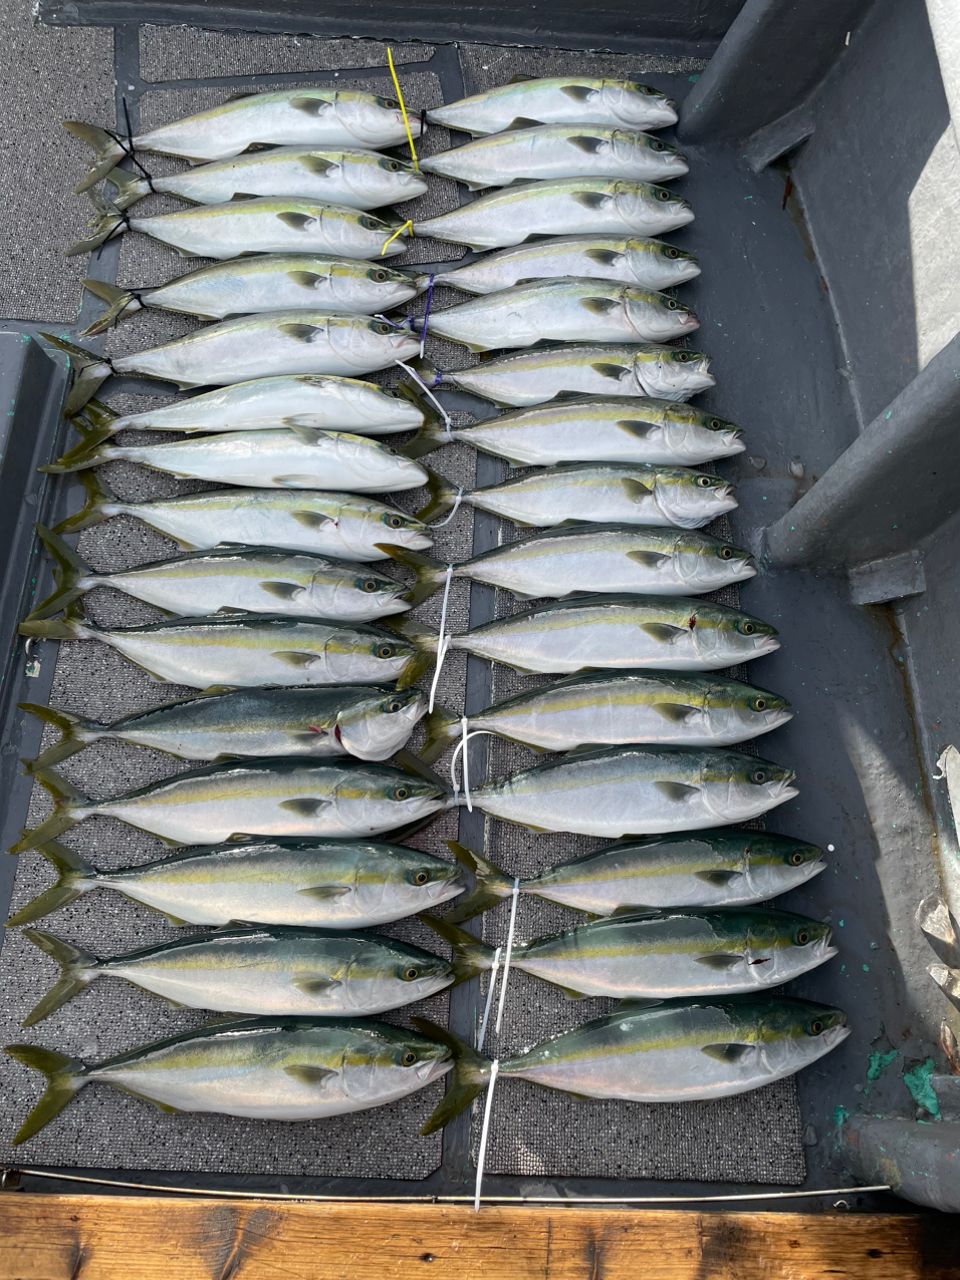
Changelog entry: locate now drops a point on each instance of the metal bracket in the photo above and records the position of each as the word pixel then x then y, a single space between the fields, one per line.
pixel 890 578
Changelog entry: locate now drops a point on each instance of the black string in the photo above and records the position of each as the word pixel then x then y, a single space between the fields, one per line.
pixel 127 145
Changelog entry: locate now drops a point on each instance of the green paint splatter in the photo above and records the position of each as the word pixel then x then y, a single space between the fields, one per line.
pixel 879 1063
pixel 840 1116
pixel 917 1080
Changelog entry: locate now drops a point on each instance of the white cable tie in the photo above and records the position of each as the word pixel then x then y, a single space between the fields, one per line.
pixel 482 1033
pixel 444 643
pixel 464 726
pixel 509 953
pixel 453 510
pixel 448 425
pixel 484 1133
pixel 461 749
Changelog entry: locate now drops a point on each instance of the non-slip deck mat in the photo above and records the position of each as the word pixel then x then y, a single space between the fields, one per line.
pixel 534 1131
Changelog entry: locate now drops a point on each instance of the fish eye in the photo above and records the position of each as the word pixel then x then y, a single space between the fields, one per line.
pixel 395 704
pixel 390 103
pixel 796 858
pixel 408 1059
pixel 670 252
pixel 758 776
pixel 705 482
pixel 369 223
pixel 656 145
pixel 410 974
pixel 421 877
pixel 645 90
pixel 382 327
pixel 672 304
pixel 681 357
pixel 663 193
pixel 393 521
pixel 715 424
pixel 725 552
pixel 378 274
pixel 746 628
pixel 368 585
pixel 815 1027
pixel 392 166
pixel 386 650
pixel 402 792
pixel 802 937
pixel 759 704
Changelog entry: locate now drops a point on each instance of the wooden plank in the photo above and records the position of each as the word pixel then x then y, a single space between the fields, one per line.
pixel 84 1237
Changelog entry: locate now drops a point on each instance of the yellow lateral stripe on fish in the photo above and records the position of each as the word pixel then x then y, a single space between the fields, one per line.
pixel 403 110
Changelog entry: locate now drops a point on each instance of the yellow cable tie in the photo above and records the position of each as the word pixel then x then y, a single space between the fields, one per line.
pixel 406 226
pixel 403 111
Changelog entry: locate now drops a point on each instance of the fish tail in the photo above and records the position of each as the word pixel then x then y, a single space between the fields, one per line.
pixel 91 512
pixel 69 627
pixel 106 151
pixel 108 221
pixel 429 572
pixel 68 804
pixel 68 568
pixel 442 497
pixel 88 453
pixel 442 728
pixel 97 416
pixel 490 884
pixel 470 1076
pixel 122 302
pixel 470 955
pixel 65 1077
pixel 78 969
pixel 76 733
pixel 432 435
pixel 89 371
pixel 130 187
pixel 75 876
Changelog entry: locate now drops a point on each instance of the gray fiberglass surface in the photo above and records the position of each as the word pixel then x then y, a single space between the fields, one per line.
pixel 768 326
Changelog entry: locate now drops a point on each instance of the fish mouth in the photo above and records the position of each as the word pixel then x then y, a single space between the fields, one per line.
pixel 783 791
pixel 441 890
pixel 778 716
pixel 835 1035
pixel 826 950
pixel 746 568
pixel 765 644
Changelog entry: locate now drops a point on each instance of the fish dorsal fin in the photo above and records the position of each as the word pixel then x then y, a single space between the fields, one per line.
pixel 240 95
pixel 521 122
pixel 570 992
pixel 325 892
pixel 727 1052
pixel 243 195
pixel 521 77
pixel 304 806
pixel 308 1073
pixel 665 632
pixel 678 791
pixel 316 986
pixel 719 960
pixel 675 712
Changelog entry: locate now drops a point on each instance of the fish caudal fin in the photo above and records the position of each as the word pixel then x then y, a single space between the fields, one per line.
pixel 107 222
pixel 88 453
pixel 121 302
pixel 67 804
pixel 76 733
pixel 443 729
pixel 69 627
pixel 470 1075
pixel 130 187
pixel 91 512
pixel 78 969
pixel 430 573
pixel 89 371
pixel 443 496
pixel 107 151
pixel 490 884
pixel 65 1077
pixel 75 877
pixel 470 955
pixel 68 568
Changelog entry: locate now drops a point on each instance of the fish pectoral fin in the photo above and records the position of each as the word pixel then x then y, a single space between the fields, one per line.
pixel 294 658
pixel 591 199
pixel 311 106
pixel 282 590
pixel 636 490
pixel 679 791
pixel 675 712
pixel 649 559
pixel 665 632
pixel 719 961
pixel 294 481
pixel 718 878
pixel 640 430
pixel 605 257
pixel 325 892
pixel 307 1073
pixel 301 332
pixel 307 279
pixel 727 1052
pixel 312 519
pixel 304 806
pixel 599 306
pixel 583 142
pixel 607 370
pixel 579 92
pixel 316 986
pixel 319 166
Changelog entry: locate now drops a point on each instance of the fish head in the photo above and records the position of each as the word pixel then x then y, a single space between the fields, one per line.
pixel 371 120
pixel 404 531
pixel 793 1033
pixel 670 159
pixel 781 946
pixel 418 973
pixel 400 798
pixel 369 287
pixel 638 105
pixel 704 564
pixel 378 180
pixel 745 712
pixel 656 316
pixel 376 727
pixel 639 203
pixel 393 653
pixel 403 181
pixel 382 596
pixel 688 499
pixel 670 266
pixel 364 343
pixel 723 637
pixel 384 1062
pixel 772 864
pixel 670 373
pixel 412 881
pixel 694 432
pixel 736 787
